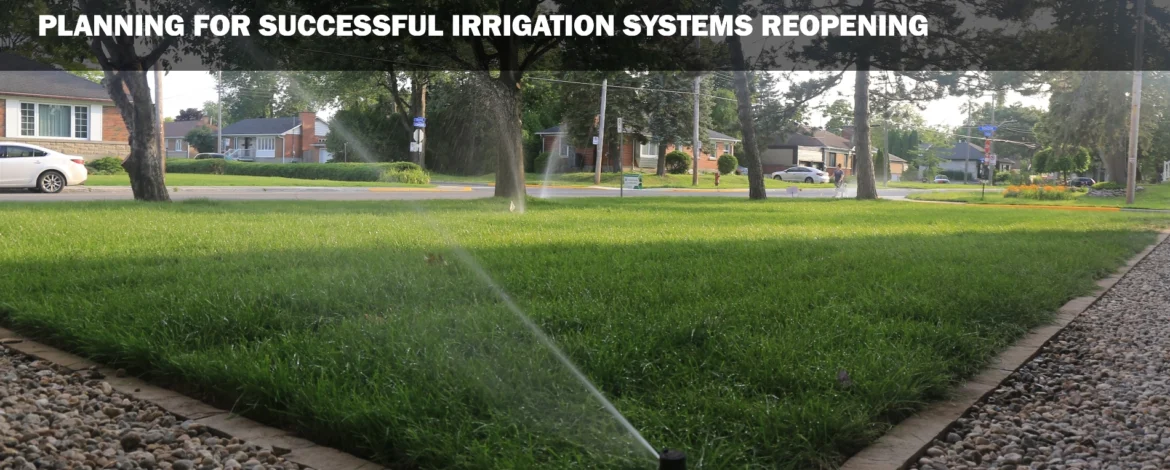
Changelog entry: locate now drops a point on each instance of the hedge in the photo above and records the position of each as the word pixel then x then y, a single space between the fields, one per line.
pixel 397 172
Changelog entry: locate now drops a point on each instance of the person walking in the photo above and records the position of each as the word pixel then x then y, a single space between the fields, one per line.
pixel 839 182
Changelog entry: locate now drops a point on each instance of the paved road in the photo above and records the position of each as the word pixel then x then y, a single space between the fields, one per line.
pixel 360 194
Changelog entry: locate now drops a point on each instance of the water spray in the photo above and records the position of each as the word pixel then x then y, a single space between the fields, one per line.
pixel 672 459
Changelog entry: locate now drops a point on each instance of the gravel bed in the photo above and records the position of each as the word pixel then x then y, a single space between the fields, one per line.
pixel 1097 397
pixel 55 420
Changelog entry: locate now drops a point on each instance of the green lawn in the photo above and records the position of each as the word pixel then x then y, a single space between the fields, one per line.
pixel 1155 196
pixel 649 180
pixel 921 185
pixel 717 326
pixel 196 179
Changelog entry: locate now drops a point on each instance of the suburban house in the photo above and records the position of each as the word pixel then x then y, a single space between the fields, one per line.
pixel 56 109
pixel 817 148
pixel 175 135
pixel 966 157
pixel 294 139
pixel 634 155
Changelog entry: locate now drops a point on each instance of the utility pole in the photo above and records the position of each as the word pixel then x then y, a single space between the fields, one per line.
pixel 600 144
pixel 991 144
pixel 219 112
pixel 889 166
pixel 158 111
pixel 696 145
pixel 967 148
pixel 1135 106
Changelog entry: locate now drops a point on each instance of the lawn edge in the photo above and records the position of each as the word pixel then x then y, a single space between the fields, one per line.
pixel 221 422
pixel 905 443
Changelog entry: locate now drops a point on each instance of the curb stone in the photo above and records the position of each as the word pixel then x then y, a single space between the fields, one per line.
pixel 906 442
pixel 301 451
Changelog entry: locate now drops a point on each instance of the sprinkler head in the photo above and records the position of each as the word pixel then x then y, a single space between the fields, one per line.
pixel 671 459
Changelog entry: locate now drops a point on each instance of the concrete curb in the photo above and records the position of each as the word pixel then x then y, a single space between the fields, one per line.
pixel 302 451
pixel 905 443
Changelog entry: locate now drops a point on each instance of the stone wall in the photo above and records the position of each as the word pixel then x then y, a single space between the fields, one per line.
pixel 90 150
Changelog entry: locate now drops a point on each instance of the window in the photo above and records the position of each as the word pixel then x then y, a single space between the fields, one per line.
pixel 81 122
pixel 54 120
pixel 178 145
pixel 566 149
pixel 28 118
pixel 266 143
pixel 16 151
pixel 649 149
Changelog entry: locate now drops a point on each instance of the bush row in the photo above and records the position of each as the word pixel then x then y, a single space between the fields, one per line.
pixel 397 172
pixel 105 166
pixel 1050 193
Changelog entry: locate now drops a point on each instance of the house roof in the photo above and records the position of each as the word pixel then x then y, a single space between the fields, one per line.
pixel 181 128
pixel 896 159
pixel 963 151
pixel 713 135
pixel 805 137
pixel 24 76
pixel 262 126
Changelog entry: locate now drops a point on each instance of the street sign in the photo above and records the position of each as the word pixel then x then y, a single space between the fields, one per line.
pixel 632 181
pixel 418 135
pixel 420 122
pixel 619 126
pixel 415 147
pixel 596 140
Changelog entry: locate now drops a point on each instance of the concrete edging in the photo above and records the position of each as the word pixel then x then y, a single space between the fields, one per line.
pixel 905 443
pixel 300 451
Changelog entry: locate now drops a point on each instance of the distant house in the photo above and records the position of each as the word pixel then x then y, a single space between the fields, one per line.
pixel 294 139
pixel 56 109
pixel 816 148
pixel 633 154
pixel 175 134
pixel 966 157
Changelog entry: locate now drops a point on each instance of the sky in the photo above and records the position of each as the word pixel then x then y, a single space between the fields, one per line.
pixel 183 89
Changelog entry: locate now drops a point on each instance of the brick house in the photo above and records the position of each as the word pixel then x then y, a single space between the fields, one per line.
pixel 300 138
pixel 816 148
pixel 633 154
pixel 56 109
pixel 175 134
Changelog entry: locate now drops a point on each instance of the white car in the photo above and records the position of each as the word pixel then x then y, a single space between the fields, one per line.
pixel 38 168
pixel 802 174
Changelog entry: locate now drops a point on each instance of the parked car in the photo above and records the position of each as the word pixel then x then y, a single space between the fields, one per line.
pixel 38 168
pixel 802 173
pixel 1081 182
pixel 205 156
pixel 941 179
pixel 741 170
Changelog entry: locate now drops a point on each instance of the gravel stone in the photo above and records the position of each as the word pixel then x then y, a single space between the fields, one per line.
pixel 1095 397
pixel 59 420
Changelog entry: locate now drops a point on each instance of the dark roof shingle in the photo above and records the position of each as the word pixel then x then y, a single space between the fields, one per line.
pixel 262 126
pixel 181 128
pixel 22 76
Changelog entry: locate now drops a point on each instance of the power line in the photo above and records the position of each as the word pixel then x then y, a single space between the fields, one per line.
pixel 629 87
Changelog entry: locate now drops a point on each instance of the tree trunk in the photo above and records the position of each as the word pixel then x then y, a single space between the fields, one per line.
pixel 661 169
pixel 743 99
pixel 863 160
pixel 1115 161
pixel 418 106
pixel 144 165
pixel 510 158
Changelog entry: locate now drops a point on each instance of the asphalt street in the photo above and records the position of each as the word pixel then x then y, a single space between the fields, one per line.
pixel 98 193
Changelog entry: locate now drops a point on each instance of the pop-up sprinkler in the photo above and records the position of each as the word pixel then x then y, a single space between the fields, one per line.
pixel 671 459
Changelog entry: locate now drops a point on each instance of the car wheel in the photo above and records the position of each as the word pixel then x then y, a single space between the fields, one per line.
pixel 50 182
pixel 778 178
pixel 808 180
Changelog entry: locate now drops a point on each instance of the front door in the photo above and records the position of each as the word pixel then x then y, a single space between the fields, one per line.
pixel 19 165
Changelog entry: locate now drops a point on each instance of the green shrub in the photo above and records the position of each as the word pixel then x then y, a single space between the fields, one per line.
pixel 1003 176
pixel 399 172
pixel 540 163
pixel 728 164
pixel 105 166
pixel 677 162
pixel 1108 185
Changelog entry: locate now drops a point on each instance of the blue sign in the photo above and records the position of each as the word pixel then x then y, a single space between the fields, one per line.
pixel 988 129
pixel 420 122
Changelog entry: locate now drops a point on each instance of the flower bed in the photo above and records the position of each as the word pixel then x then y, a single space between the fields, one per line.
pixel 1046 192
